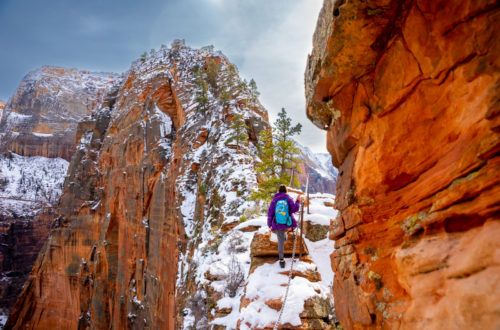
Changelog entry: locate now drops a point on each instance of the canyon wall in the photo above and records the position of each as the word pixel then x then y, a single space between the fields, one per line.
pixel 39 124
pixel 153 179
pixel 20 241
pixel 408 92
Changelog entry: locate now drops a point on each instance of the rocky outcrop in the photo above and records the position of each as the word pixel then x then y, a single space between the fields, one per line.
pixel 41 117
pixel 263 246
pixel 408 91
pixel 151 182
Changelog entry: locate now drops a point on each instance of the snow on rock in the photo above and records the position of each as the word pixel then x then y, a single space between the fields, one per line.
pixel 41 117
pixel 319 168
pixel 29 183
pixel 257 306
pixel 321 209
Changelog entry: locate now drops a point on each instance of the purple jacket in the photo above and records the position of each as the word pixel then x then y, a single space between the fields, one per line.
pixel 292 208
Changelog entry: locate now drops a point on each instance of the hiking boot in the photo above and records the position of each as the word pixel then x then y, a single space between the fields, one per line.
pixel 282 263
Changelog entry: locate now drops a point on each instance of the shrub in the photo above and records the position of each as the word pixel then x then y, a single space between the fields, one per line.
pixel 235 279
pixel 198 307
pixel 236 243
pixel 252 212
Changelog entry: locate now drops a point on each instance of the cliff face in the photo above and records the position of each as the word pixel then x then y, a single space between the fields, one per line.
pixel 29 190
pixel 409 94
pixel 20 241
pixel 41 117
pixel 39 123
pixel 153 176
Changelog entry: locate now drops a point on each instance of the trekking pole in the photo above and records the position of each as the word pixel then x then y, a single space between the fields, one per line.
pixel 307 197
pixel 302 217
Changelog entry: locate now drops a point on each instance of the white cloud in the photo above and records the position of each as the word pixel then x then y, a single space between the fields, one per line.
pixel 91 25
pixel 277 60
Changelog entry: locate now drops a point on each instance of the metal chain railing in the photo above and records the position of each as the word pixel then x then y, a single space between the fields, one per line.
pixel 288 285
pixel 293 255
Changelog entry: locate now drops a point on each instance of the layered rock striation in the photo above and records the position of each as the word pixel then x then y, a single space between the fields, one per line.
pixel 40 119
pixel 20 241
pixel 153 179
pixel 409 94
pixel 37 138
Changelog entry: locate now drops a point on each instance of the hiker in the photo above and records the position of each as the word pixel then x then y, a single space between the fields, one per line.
pixel 280 218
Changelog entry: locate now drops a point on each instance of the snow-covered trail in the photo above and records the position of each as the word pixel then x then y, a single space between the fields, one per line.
pixel 257 304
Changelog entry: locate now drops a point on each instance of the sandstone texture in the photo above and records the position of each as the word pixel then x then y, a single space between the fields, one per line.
pixel 37 139
pixel 41 117
pixel 409 94
pixel 29 191
pixel 263 246
pixel 20 241
pixel 151 183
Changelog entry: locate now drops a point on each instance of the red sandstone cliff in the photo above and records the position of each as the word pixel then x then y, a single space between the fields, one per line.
pixel 39 122
pixel 409 94
pixel 151 179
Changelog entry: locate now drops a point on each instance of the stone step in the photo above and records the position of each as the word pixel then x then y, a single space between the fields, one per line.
pixel 263 246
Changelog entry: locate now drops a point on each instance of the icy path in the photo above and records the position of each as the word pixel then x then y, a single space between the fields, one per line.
pixel 257 306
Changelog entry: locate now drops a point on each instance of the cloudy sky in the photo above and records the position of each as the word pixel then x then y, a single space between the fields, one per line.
pixel 267 39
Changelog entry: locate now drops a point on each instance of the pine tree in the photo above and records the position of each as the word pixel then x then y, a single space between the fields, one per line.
pixel 278 156
pixel 266 154
pixel 240 129
pixel 213 74
pixel 285 150
pixel 266 168
pixel 201 91
pixel 253 88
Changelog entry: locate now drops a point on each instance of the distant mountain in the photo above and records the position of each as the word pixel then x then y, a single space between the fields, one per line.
pixel 41 118
pixel 2 106
pixel 322 174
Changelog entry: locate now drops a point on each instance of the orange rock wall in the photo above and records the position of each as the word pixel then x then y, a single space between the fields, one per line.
pixel 20 242
pixel 115 253
pixel 408 92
